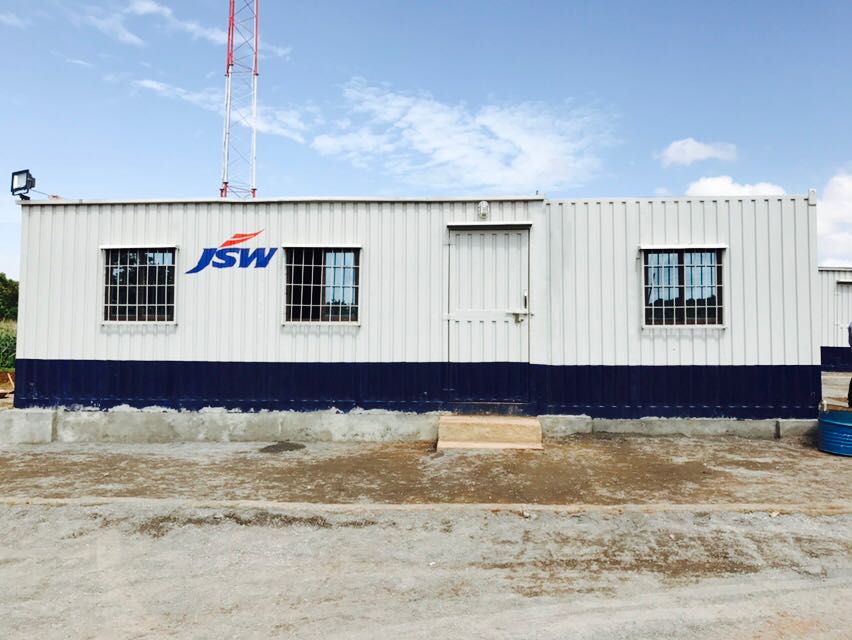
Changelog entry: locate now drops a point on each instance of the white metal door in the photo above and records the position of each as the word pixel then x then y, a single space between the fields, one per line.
pixel 489 295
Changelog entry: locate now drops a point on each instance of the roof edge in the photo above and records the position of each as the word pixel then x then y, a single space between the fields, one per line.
pixel 68 201
pixel 379 199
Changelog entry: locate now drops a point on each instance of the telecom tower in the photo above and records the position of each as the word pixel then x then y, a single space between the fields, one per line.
pixel 240 143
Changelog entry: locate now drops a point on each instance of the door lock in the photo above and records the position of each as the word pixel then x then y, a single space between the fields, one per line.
pixel 521 315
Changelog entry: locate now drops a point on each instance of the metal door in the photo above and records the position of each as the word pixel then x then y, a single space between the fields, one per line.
pixel 489 329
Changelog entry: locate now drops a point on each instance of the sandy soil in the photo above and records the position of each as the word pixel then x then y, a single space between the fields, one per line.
pixel 144 570
pixel 616 537
pixel 600 469
pixel 7 398
pixel 835 388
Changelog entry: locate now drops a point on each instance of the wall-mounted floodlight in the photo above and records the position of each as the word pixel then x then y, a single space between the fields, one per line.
pixel 22 182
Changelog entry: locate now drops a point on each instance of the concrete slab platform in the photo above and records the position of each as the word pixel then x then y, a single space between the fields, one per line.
pixel 488 432
pixel 217 425
pixel 32 426
pixel 557 427
pixel 143 426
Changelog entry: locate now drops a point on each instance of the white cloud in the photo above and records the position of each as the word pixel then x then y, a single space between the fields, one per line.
pixel 151 8
pixel 11 20
pixel 209 99
pixel 78 62
pixel 356 146
pixel 74 61
pixel 286 123
pixel 834 221
pixel 113 26
pixel 662 192
pixel 214 35
pixel 275 50
pixel 117 78
pixel 690 150
pixel 725 186
pixel 421 141
pixel 505 147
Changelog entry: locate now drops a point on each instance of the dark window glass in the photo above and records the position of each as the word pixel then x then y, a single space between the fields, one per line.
pixel 322 284
pixel 139 285
pixel 683 287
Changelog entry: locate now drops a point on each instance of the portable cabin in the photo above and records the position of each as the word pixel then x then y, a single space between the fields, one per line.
pixel 609 308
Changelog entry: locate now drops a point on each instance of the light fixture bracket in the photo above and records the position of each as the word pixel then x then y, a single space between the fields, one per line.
pixel 22 182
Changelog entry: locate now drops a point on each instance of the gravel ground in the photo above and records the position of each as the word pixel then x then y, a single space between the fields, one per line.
pixel 150 570
pixel 596 537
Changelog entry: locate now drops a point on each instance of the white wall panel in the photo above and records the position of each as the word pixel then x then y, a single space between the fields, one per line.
pixel 236 314
pixel 585 280
pixel 769 269
pixel 835 292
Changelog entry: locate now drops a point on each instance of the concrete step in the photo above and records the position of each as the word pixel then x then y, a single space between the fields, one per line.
pixel 488 432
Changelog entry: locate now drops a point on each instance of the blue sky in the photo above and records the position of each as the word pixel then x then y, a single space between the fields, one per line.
pixel 121 98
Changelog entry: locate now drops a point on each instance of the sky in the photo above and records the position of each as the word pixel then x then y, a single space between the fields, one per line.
pixel 123 99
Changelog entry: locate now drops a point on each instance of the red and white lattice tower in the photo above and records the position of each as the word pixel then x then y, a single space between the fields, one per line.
pixel 240 144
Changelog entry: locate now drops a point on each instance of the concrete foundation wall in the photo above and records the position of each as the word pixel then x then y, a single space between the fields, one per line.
pixel 38 426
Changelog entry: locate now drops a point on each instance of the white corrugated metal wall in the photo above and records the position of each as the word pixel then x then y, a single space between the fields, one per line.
pixel 585 280
pixel 595 294
pixel 236 314
pixel 835 288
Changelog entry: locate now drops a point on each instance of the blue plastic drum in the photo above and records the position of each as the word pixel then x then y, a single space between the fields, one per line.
pixel 835 432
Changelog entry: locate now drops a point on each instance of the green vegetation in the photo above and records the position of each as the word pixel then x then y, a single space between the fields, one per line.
pixel 8 333
pixel 8 298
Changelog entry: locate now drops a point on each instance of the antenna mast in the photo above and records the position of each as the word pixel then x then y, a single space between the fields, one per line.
pixel 239 153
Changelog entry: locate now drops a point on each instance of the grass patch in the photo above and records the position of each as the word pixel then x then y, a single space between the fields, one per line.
pixel 8 338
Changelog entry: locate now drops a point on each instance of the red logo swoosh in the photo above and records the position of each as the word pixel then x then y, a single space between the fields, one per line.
pixel 239 238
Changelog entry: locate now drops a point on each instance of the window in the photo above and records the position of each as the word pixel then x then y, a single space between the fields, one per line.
pixel 322 284
pixel 683 287
pixel 139 285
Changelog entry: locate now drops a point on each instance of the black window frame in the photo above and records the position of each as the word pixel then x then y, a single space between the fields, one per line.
pixel 683 310
pixel 307 286
pixel 139 285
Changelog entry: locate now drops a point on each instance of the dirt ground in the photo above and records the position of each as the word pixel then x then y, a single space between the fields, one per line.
pixel 835 388
pixel 7 398
pixel 598 537
pixel 138 571
pixel 599 470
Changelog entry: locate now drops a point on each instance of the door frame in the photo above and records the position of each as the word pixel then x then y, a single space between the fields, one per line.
pixel 453 369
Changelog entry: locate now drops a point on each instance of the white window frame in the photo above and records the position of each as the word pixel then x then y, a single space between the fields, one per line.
pixel 721 248
pixel 329 324
pixel 102 284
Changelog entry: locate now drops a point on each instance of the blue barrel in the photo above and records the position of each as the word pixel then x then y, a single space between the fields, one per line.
pixel 835 432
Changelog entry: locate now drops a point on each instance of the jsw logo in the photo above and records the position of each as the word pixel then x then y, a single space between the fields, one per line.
pixel 223 257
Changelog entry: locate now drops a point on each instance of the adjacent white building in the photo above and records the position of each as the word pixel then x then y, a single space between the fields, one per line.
pixel 622 308
pixel 835 284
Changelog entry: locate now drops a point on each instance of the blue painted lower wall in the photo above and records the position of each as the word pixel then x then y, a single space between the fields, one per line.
pixel 836 358
pixel 598 391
